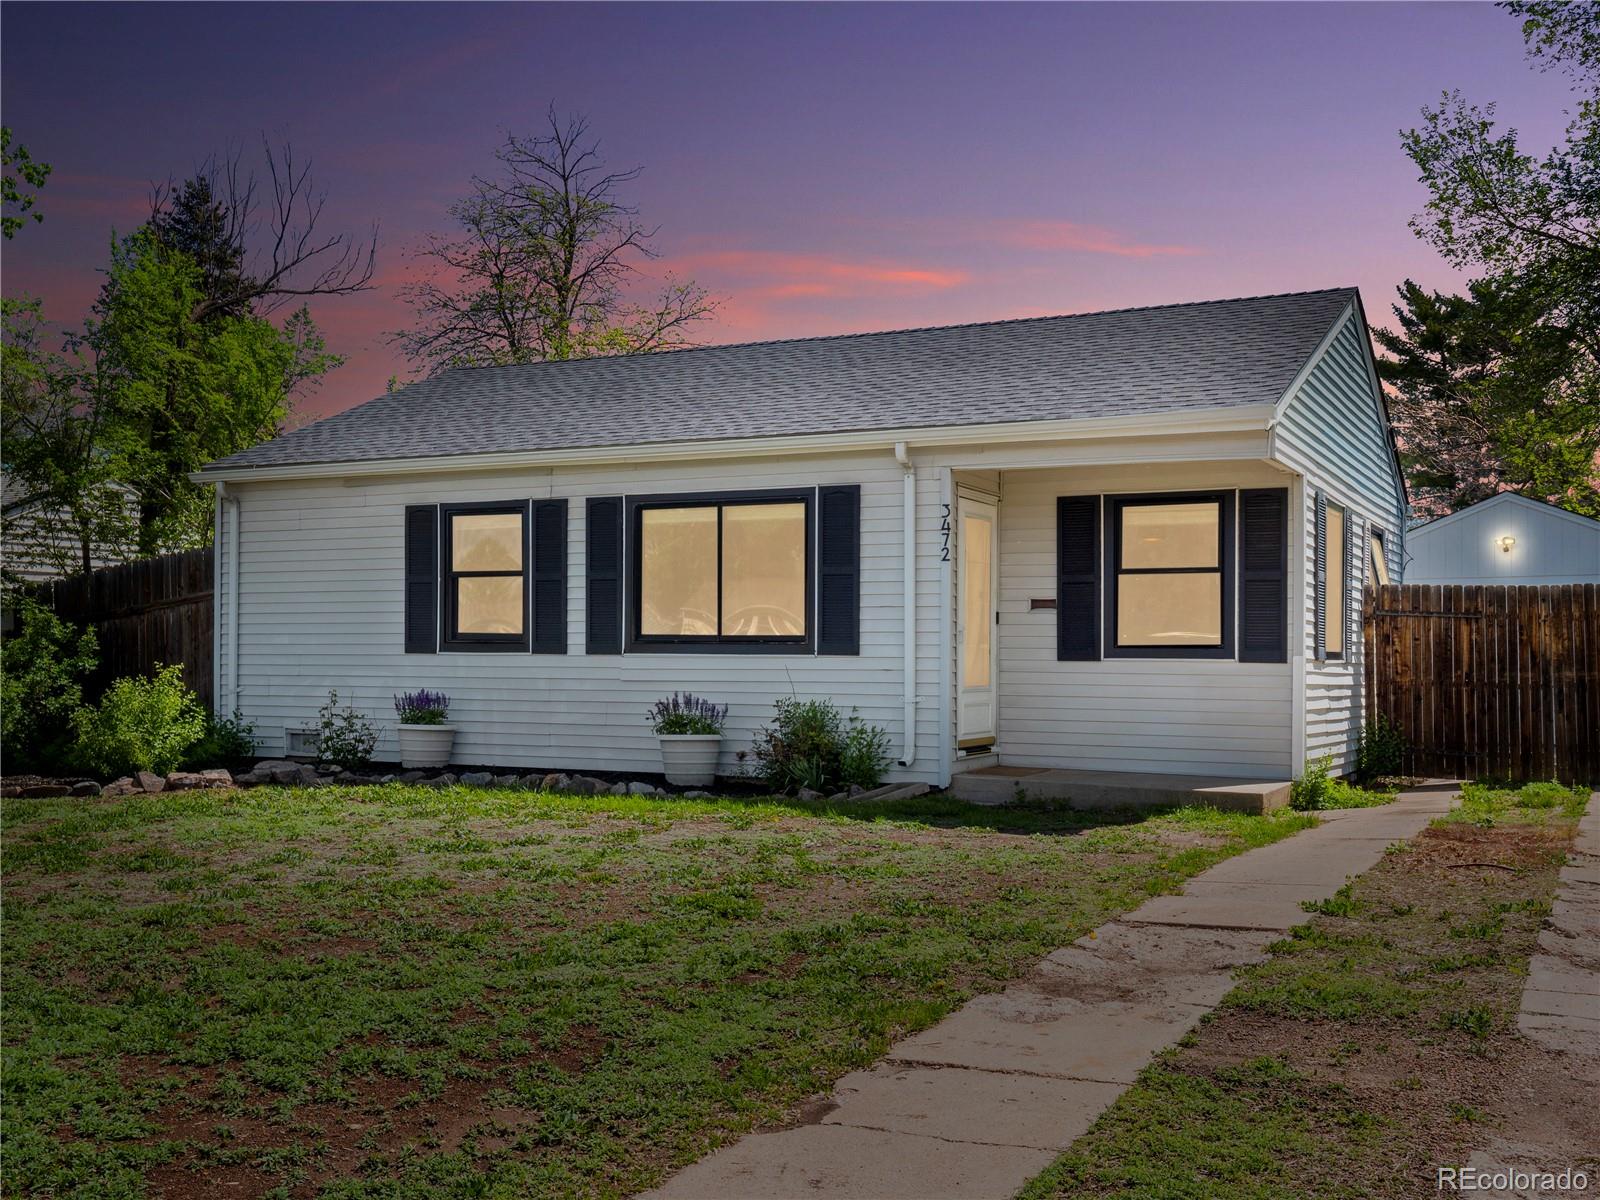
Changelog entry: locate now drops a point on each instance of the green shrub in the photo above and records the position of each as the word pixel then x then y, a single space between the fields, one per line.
pixel 227 740
pixel 140 724
pixel 811 744
pixel 1314 788
pixel 1381 750
pixel 345 738
pixel 42 669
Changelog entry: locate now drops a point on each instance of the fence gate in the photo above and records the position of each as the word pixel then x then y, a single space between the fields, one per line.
pixel 155 610
pixel 1489 682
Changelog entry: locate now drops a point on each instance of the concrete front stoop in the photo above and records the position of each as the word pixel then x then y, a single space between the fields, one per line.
pixel 980 1103
pixel 1116 789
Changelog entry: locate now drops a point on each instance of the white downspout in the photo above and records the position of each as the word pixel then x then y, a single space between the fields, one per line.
pixel 908 529
pixel 230 504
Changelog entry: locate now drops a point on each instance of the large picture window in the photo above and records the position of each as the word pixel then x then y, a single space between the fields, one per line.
pixel 485 558
pixel 1169 561
pixel 723 571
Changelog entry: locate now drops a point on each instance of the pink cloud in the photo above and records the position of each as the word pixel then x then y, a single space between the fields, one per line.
pixel 1083 239
pixel 778 274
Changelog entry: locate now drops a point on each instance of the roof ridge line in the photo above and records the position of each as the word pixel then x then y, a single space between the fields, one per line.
pixel 869 333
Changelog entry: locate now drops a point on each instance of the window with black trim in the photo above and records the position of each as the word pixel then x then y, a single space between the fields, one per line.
pixel 484 553
pixel 1380 564
pixel 1336 580
pixel 1169 565
pixel 729 570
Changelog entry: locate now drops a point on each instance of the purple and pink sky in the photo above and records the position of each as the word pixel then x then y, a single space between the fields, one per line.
pixel 822 168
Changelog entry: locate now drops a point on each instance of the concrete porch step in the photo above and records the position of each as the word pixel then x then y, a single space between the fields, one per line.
pixel 1117 789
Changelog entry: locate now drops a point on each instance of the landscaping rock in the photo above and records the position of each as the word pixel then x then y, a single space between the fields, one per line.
pixel 120 787
pixel 447 779
pixel 413 776
pixel 697 795
pixel 216 777
pixel 86 787
pixel 636 788
pixel 808 794
pixel 182 781
pixel 149 781
pixel 251 779
pixel 477 779
pixel 838 796
pixel 588 785
pixel 40 791
pixel 389 779
pixel 556 781
pixel 855 790
pixel 505 781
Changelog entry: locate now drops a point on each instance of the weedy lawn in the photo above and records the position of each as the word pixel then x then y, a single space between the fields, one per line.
pixel 402 991
pixel 1378 1042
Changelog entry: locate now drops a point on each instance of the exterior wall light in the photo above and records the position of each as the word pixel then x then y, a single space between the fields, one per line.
pixel 1507 542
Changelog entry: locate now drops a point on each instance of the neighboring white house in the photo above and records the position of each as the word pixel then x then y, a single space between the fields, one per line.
pixel 1124 541
pixel 1506 539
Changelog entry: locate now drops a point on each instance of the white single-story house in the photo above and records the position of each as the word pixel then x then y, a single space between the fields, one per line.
pixel 1127 541
pixel 1506 539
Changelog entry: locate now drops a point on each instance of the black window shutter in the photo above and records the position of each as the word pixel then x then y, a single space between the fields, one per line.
pixel 603 586
pixel 839 570
pixel 1264 575
pixel 1320 559
pixel 1077 578
pixel 422 579
pixel 549 576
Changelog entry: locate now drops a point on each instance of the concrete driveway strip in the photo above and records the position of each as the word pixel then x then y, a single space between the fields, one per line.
pixel 974 1107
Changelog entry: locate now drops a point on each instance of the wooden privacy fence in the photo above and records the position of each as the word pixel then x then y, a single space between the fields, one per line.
pixel 1489 682
pixel 156 610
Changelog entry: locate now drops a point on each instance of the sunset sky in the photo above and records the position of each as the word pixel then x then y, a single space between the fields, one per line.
pixel 820 168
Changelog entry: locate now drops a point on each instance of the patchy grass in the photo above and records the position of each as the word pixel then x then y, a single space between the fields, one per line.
pixel 1376 1043
pixel 406 991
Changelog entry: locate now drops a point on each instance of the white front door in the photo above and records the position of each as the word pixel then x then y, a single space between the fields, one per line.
pixel 977 573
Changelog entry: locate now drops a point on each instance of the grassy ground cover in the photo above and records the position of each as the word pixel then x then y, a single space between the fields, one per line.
pixel 414 992
pixel 1377 1043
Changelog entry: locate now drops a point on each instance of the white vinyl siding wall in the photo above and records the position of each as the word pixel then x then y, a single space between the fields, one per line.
pixel 322 603
pixel 1173 715
pixel 1331 432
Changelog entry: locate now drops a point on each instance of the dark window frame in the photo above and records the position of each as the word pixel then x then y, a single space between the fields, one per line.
pixel 453 640
pixel 633 555
pixel 1343 615
pixel 1227 532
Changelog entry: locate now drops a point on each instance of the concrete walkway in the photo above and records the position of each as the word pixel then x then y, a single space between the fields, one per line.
pixel 986 1099
pixel 1560 1012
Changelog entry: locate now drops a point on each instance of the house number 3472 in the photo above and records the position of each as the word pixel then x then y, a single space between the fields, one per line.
pixel 944 534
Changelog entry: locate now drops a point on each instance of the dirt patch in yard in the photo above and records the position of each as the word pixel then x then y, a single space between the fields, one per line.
pixel 1377 1044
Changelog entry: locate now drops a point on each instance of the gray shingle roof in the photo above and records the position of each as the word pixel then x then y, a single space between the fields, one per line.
pixel 1218 354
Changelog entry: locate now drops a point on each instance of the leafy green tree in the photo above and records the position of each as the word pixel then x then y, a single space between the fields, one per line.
pixel 188 383
pixel 541 265
pixel 43 666
pixel 1491 394
pixel 1500 388
pixel 21 171
pixel 65 506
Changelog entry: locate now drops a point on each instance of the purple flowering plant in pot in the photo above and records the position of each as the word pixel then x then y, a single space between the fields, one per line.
pixel 689 729
pixel 426 736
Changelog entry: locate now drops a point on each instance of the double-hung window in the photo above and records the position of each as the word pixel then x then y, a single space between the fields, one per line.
pixel 1334 615
pixel 1380 564
pixel 485 576
pixel 1169 559
pixel 724 571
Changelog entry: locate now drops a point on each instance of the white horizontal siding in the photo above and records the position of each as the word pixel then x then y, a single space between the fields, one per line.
pixel 321 607
pixel 1331 432
pixel 1552 546
pixel 1167 715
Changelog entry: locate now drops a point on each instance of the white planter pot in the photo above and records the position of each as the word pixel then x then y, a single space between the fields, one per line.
pixel 425 745
pixel 690 759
